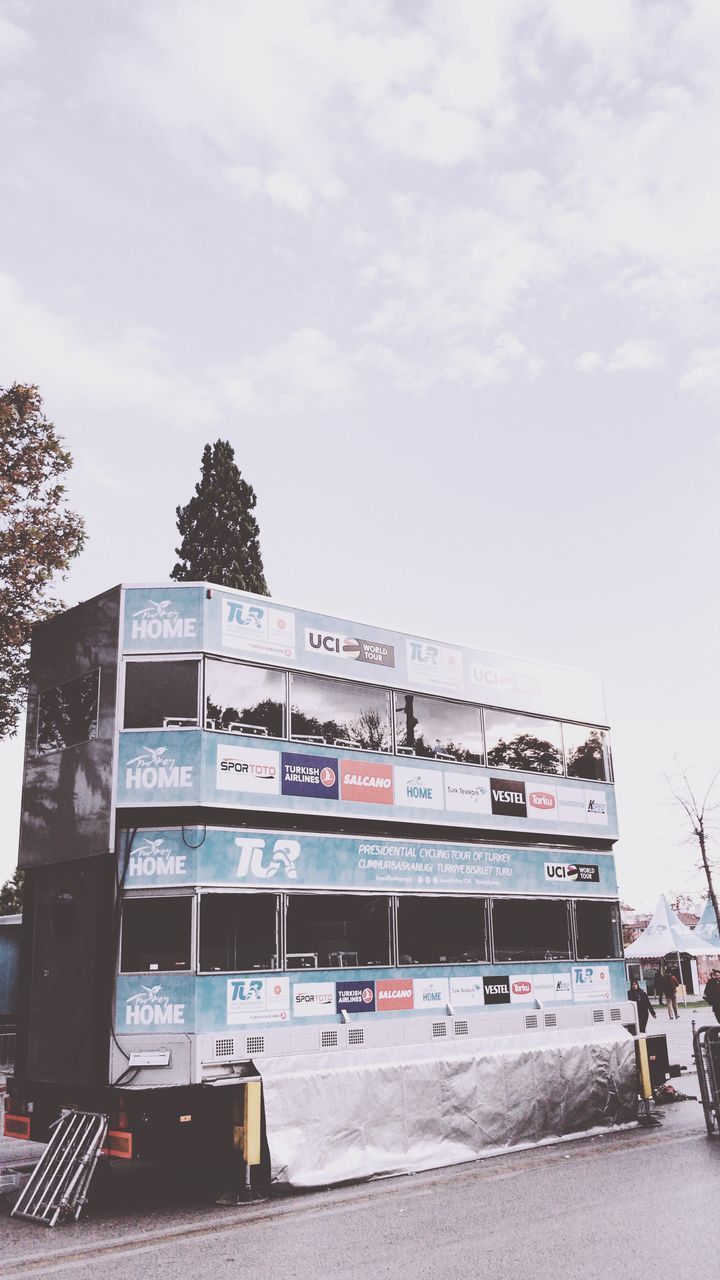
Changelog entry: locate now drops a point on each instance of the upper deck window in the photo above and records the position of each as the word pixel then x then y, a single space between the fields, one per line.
pixel 244 699
pixel 339 713
pixel 156 934
pixel 237 931
pixel 527 930
pixel 438 729
pixel 587 752
pixel 68 713
pixel 523 742
pixel 161 695
pixel 598 930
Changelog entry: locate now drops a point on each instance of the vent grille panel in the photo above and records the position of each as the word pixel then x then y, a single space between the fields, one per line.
pixel 598 1015
pixel 615 1015
pixel 550 1019
pixel 256 1044
pixel 531 1021
pixel 462 1028
pixel 356 1035
pixel 224 1048
pixel 439 1029
pixel 328 1039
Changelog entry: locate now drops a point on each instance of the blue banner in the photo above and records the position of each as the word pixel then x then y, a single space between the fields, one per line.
pixel 163 620
pixel 231 771
pixel 292 860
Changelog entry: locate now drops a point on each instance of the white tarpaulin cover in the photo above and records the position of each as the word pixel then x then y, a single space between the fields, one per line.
pixel 664 934
pixel 706 930
pixel 359 1113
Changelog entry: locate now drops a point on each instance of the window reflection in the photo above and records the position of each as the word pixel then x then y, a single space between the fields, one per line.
pixel 339 712
pixel 441 930
pixel 337 931
pixel 436 728
pixel 598 931
pixel 526 930
pixel 587 752
pixel 161 695
pixel 245 699
pixel 523 742
pixel 68 713
pixel 155 934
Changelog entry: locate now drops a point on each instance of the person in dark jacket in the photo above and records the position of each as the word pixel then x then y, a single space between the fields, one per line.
pixel 658 986
pixel 670 986
pixel 712 993
pixel 642 1000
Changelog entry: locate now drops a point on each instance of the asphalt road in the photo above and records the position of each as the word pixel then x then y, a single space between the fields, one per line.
pixel 641 1203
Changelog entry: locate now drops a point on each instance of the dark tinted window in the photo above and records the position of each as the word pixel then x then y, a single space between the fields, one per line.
pixel 160 695
pixel 598 930
pixel 156 934
pixel 434 727
pixel 441 930
pixel 245 699
pixel 526 930
pixel 337 931
pixel 587 752
pixel 68 713
pixel 237 931
pixel 340 712
pixel 523 742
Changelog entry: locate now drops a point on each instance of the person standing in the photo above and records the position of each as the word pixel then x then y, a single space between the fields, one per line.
pixel 658 986
pixel 670 986
pixel 641 999
pixel 712 993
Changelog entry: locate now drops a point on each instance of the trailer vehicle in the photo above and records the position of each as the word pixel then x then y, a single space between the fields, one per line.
pixel 253 834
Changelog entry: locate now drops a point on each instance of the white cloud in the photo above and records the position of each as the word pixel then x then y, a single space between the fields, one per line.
pixel 702 376
pixel 306 370
pixel 636 355
pixel 589 362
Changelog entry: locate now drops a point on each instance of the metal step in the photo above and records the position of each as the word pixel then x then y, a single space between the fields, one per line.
pixel 58 1185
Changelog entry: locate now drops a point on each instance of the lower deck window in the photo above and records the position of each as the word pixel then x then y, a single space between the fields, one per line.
pixel 337 931
pixel 526 930
pixel 442 930
pixel 598 931
pixel 156 934
pixel 237 931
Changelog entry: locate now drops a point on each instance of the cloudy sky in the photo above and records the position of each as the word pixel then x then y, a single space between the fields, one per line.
pixel 445 273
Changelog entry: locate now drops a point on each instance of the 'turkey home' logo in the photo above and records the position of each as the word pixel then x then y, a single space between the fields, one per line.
pixel 160 620
pixel 153 768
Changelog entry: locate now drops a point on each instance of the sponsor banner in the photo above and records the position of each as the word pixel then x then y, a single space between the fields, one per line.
pixel 355 997
pixel 466 991
pixel 418 788
pixel 431 993
pixel 313 999
pixel 354 648
pixel 250 627
pixel 257 1000
pixel 392 994
pixel 596 810
pixel 521 989
pixel 148 1004
pixel 542 801
pixel 551 988
pixel 467 794
pixel 507 797
pixel 165 620
pixel 576 872
pixel 246 859
pixel 315 776
pixel 590 982
pixel 159 768
pixel 434 666
pixel 571 805
pixel 245 769
pixel 504 684
pixel 366 782
pixel 496 990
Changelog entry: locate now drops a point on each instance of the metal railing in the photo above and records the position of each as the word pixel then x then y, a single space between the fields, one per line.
pixel 7 1048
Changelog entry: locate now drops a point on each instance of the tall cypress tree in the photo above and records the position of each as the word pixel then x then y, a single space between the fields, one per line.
pixel 220 535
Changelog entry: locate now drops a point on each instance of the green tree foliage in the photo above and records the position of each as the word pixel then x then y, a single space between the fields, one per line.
pixel 220 536
pixel 39 535
pixel 525 751
pixel 11 895
pixel 588 760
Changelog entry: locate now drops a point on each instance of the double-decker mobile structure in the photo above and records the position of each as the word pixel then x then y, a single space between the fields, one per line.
pixel 252 832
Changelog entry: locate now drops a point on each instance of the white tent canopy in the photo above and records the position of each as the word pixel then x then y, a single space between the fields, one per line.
pixel 706 930
pixel 667 934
